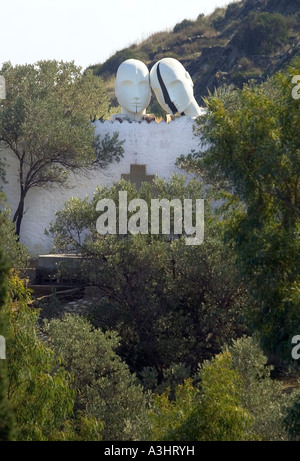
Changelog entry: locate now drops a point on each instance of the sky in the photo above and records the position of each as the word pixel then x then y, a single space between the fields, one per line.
pixel 86 31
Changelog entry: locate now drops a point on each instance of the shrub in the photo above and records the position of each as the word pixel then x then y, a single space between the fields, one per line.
pixel 292 417
pixel 38 390
pixel 211 411
pixel 217 18
pixel 182 25
pixel 7 429
pixel 14 250
pixel 262 33
pixel 170 303
pixel 261 395
pixel 104 387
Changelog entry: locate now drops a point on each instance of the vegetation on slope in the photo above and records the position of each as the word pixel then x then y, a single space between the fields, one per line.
pixel 247 40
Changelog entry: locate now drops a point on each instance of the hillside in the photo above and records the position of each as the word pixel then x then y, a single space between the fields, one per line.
pixel 248 40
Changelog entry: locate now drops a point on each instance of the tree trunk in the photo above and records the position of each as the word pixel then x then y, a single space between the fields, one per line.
pixel 18 216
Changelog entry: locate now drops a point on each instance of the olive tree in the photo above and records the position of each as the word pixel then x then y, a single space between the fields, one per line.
pixel 46 121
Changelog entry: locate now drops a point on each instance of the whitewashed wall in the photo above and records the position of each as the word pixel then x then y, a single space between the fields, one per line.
pixel 156 145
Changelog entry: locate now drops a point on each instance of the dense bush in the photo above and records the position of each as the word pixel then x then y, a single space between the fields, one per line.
pixel 292 417
pixel 262 33
pixel 171 303
pixel 232 397
pixel 261 395
pixel 38 389
pixel 211 411
pixel 104 387
pixel 182 25
pixel 217 18
pixel 7 429
pixel 253 154
pixel 14 250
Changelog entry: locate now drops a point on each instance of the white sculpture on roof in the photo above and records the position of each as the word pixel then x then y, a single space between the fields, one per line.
pixel 173 88
pixel 132 89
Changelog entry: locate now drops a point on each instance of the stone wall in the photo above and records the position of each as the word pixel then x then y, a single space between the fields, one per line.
pixel 156 145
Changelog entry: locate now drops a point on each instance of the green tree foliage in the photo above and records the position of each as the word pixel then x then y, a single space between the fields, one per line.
pixel 12 254
pixel 16 252
pixel 262 33
pixel 46 122
pixel 217 18
pixel 38 388
pixel 292 416
pixel 253 143
pixel 104 386
pixel 6 417
pixel 262 395
pixel 171 303
pixel 182 25
pixel 108 149
pixel 232 397
pixel 167 414
pixel 212 411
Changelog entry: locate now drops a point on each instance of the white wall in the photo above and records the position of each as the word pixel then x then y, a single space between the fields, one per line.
pixel 156 145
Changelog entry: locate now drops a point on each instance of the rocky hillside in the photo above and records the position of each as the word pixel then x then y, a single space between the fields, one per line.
pixel 248 40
